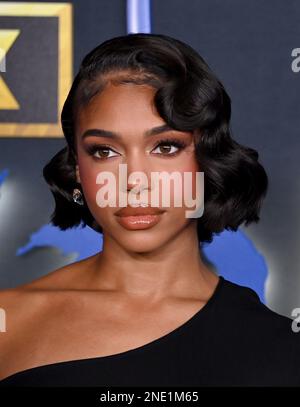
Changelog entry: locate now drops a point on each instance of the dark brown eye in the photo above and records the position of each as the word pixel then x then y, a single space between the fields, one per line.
pixel 167 147
pixel 101 152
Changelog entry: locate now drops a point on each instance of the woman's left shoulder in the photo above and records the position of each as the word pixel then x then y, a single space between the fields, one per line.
pixel 265 342
pixel 244 305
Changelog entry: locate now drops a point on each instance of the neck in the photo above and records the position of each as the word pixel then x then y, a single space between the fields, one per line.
pixel 174 269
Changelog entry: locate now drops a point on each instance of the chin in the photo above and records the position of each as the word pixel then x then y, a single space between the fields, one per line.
pixel 141 242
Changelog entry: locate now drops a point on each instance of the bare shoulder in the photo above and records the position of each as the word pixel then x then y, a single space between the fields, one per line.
pixel 18 312
pixel 31 295
pixel 67 277
pixel 25 308
pixel 9 304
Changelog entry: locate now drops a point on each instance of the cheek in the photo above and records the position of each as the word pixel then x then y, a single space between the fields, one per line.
pixel 188 173
pixel 88 175
pixel 89 171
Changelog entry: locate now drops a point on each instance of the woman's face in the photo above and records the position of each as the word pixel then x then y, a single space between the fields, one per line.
pixel 128 110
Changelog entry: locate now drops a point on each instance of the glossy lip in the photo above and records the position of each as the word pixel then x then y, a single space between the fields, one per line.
pixel 138 211
pixel 137 218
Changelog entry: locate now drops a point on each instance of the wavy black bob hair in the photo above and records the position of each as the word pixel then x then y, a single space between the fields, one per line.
pixel 189 97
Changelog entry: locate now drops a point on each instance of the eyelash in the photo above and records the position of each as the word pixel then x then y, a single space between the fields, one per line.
pixel 93 148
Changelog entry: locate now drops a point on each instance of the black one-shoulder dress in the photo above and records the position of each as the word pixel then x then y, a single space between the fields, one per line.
pixel 234 340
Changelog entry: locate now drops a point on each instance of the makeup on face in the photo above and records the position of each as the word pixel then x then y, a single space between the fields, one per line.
pixel 138 217
pixel 121 127
pixel 99 150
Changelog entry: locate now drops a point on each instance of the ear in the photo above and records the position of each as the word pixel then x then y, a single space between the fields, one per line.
pixel 77 174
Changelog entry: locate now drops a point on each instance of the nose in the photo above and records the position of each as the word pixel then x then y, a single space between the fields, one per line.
pixel 138 163
pixel 139 187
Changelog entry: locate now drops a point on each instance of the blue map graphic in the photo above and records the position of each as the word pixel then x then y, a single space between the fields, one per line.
pixel 3 174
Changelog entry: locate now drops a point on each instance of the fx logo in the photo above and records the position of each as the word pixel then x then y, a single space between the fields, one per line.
pixel 35 67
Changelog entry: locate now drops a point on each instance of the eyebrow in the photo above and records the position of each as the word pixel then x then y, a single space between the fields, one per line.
pixel 113 135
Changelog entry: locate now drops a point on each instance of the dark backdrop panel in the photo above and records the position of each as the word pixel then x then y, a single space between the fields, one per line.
pixel 249 45
pixel 28 203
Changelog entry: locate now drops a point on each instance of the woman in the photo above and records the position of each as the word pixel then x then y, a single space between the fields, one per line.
pixel 147 309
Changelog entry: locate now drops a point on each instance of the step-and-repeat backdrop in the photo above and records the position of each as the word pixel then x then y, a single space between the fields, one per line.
pixel 252 46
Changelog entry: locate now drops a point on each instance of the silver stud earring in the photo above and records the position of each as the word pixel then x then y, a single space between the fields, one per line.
pixel 77 196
